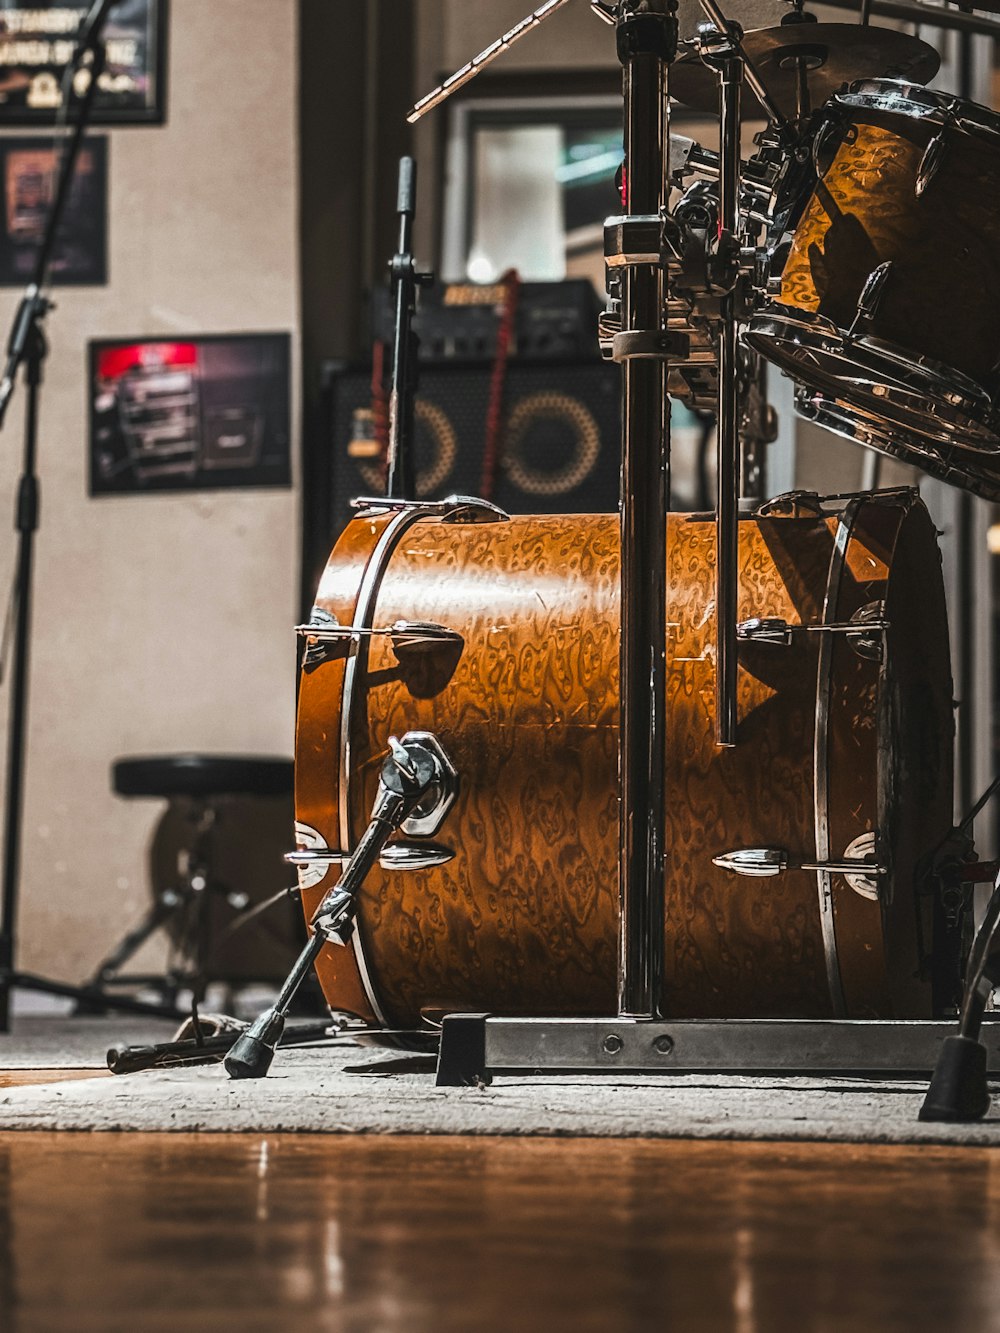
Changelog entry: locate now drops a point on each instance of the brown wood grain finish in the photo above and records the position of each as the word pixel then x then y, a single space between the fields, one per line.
pixel 524 919
pixel 942 298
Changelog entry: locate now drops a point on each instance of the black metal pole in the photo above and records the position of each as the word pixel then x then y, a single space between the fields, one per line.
pixel 965 541
pixel 26 525
pixel 400 472
pixel 646 45
pixel 728 465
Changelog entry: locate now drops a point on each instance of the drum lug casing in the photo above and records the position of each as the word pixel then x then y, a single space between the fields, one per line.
pixel 871 296
pixel 414 855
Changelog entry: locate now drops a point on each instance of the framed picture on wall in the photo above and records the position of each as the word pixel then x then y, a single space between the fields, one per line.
pixel 28 171
pixel 189 413
pixel 37 42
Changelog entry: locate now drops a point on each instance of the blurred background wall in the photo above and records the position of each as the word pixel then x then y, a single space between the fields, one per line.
pixel 161 622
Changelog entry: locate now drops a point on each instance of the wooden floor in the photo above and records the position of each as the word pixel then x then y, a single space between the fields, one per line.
pixel 429 1235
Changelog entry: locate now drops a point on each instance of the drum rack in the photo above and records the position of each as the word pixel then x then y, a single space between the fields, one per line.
pixel 475 1047
pixel 642 248
pixel 637 250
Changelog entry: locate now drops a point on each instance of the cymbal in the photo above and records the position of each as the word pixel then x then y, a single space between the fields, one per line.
pixel 834 54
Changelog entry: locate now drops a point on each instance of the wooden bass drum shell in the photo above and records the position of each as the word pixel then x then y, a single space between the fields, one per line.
pixel 523 920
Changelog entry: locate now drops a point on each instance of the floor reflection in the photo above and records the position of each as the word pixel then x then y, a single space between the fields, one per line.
pixel 105 1232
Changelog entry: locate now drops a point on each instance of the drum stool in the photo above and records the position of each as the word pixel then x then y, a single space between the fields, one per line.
pixel 199 782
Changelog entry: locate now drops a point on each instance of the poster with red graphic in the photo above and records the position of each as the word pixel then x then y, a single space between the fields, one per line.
pixel 189 413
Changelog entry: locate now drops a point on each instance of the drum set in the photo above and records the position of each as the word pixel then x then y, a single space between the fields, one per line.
pixel 651 793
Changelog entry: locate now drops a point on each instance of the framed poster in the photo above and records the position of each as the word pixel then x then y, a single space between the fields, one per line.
pixel 37 42
pixel 28 171
pixel 189 413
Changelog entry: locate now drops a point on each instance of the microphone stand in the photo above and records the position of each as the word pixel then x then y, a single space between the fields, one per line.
pixel 27 348
pixel 401 483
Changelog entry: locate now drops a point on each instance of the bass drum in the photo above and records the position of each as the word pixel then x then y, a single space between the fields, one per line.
pixel 844 750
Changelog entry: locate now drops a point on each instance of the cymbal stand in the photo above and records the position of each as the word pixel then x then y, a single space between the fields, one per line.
pixel 734 33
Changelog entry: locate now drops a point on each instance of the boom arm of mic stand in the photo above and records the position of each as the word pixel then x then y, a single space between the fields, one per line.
pixel 32 307
pixel 89 32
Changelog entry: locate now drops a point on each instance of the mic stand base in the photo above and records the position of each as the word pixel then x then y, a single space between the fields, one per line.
pixel 89 999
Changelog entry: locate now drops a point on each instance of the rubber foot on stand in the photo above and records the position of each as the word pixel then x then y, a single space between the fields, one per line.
pixel 252 1053
pixel 462 1053
pixel 958 1090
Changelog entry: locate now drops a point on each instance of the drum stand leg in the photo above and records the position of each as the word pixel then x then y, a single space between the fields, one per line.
pixel 408 773
pixel 958 1090
pixel 728 467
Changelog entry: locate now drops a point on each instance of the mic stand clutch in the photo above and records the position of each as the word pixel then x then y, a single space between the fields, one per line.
pixel 410 771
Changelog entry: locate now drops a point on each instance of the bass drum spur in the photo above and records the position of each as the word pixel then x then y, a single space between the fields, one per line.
pixel 501 640
pixel 890 297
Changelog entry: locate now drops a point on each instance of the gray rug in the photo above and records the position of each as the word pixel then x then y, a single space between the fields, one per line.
pixel 38 1041
pixel 348 1090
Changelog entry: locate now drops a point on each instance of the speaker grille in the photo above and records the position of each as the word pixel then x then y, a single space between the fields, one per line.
pixel 558 447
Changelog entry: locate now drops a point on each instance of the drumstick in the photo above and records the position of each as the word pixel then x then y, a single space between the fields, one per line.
pixel 469 71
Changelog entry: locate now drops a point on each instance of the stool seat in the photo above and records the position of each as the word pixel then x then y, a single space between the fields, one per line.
pixel 202 775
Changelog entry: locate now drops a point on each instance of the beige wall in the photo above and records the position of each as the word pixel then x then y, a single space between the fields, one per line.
pixel 161 623
pixel 572 37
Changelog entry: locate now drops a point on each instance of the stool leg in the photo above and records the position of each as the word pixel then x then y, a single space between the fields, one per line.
pixel 164 907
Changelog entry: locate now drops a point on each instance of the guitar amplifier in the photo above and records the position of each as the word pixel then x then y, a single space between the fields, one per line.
pixel 559 443
pixel 459 321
